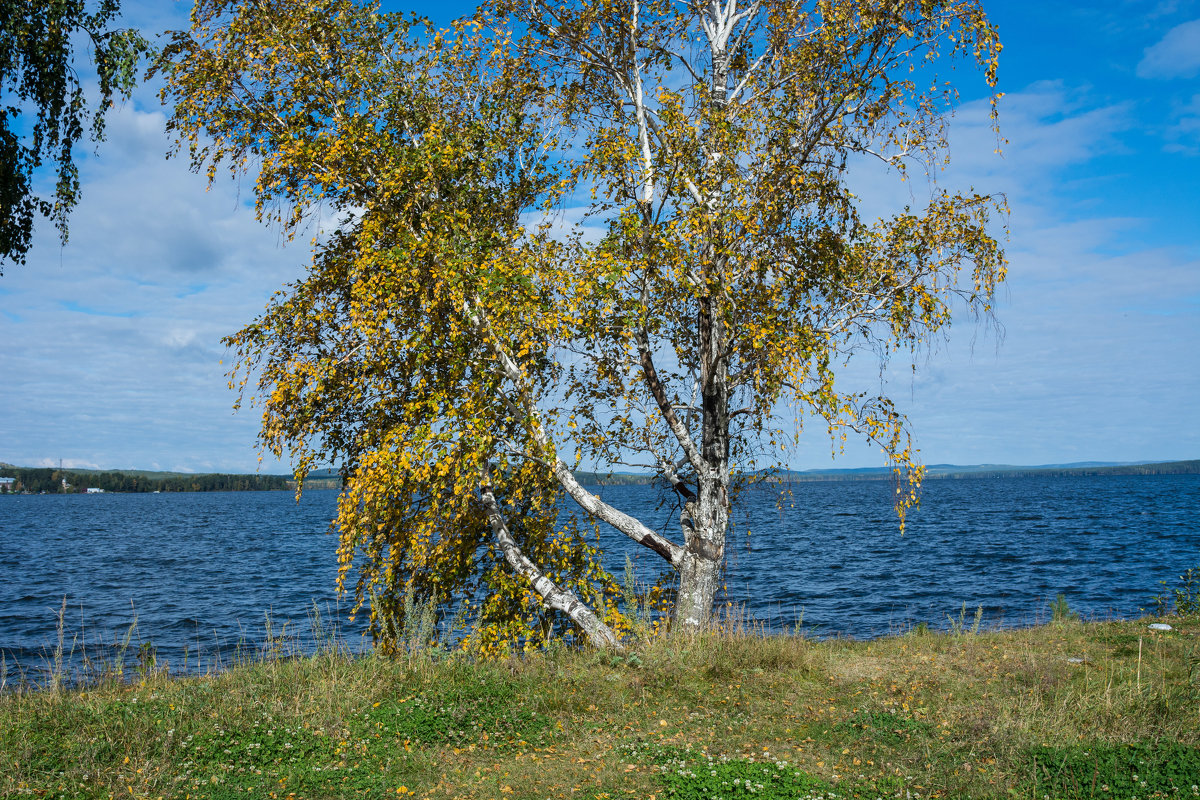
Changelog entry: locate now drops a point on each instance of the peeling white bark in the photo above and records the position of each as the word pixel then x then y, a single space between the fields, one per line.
pixel 630 526
pixel 551 593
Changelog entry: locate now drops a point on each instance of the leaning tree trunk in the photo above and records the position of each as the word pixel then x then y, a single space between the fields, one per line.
pixel 554 596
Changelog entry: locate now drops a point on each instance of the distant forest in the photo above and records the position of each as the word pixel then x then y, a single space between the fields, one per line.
pixel 330 479
pixel 937 471
pixel 50 481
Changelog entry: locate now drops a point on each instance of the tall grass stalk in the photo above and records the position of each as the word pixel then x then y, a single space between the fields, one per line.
pixel 958 626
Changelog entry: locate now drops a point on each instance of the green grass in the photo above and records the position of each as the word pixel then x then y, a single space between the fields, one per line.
pixel 1095 710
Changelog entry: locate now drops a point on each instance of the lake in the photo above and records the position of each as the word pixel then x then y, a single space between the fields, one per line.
pixel 199 573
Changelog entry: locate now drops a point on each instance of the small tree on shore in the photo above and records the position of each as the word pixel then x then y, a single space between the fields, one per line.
pixel 458 353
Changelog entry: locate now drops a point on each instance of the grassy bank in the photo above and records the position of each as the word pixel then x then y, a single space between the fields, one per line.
pixel 1065 710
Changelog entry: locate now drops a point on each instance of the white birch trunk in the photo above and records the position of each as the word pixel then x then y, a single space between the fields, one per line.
pixel 705 520
pixel 553 595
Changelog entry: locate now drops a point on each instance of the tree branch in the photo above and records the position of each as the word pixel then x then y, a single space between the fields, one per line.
pixel 551 593
pixel 630 526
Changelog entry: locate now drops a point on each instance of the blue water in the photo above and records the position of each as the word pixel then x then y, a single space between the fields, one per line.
pixel 200 572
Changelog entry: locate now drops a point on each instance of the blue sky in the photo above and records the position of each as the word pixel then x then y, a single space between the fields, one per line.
pixel 110 351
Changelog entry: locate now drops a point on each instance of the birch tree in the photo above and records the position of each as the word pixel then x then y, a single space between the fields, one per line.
pixel 458 354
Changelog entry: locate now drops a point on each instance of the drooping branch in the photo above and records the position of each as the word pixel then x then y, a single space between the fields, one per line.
pixel 631 527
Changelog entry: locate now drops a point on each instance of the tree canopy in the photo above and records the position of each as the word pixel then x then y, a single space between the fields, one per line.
pixel 458 346
pixel 44 110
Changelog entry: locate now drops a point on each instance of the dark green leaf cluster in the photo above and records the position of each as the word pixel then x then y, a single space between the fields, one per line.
pixel 43 107
pixel 691 776
pixel 1114 770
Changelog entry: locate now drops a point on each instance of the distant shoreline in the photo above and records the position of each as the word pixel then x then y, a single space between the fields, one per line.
pixel 143 481
pixel 933 472
pixel 47 480
pixel 1191 467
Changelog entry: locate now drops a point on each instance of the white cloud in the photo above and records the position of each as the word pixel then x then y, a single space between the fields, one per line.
pixel 1089 367
pixel 179 338
pixel 67 463
pixel 1183 135
pixel 1176 55
pixel 1048 129
pixel 1047 126
pixel 119 331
